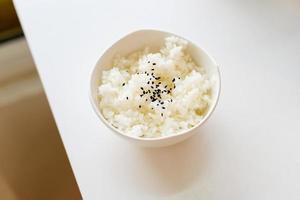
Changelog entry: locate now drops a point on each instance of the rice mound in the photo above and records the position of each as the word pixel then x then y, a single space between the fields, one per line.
pixel 153 94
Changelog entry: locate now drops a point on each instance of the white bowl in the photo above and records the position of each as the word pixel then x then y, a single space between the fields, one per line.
pixel 155 40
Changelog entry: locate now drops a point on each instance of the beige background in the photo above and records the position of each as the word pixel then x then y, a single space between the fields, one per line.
pixel 33 163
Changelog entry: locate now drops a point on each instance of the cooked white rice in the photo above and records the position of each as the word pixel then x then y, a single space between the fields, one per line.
pixel 127 100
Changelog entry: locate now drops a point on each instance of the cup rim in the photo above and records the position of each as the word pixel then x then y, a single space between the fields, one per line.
pixel 180 133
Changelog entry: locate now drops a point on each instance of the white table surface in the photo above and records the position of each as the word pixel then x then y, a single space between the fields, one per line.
pixel 249 149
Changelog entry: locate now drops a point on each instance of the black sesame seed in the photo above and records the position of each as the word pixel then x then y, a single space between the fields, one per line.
pixel 178 77
pixel 144 92
pixel 159 83
pixel 157 104
pixel 148 61
pixel 148 82
pixel 156 86
pixel 138 73
pixel 171 100
pixel 158 78
pixel 163 107
pixel 153 63
pixel 152 69
pixel 162 103
pixel 140 106
pixel 152 108
pixel 123 84
pixel 127 98
pixel 152 87
pixel 142 88
pixel 174 86
pixel 161 114
pixel 146 99
pixel 152 82
pixel 166 86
